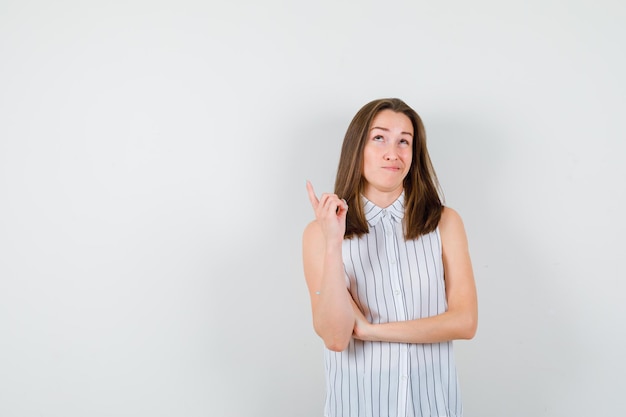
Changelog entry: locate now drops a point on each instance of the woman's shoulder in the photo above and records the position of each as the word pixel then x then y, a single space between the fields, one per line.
pixel 312 231
pixel 451 226
pixel 450 220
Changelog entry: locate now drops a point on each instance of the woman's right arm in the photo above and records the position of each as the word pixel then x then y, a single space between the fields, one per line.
pixel 331 303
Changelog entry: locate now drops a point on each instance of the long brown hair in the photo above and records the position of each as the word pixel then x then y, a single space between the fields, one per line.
pixel 422 202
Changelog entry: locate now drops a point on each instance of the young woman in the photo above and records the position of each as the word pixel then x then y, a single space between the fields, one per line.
pixel 389 274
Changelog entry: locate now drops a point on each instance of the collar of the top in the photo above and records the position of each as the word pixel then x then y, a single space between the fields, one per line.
pixel 373 213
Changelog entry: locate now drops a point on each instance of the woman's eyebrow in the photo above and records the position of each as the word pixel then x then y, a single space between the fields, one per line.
pixel 387 130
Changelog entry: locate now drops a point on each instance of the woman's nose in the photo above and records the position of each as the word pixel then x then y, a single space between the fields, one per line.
pixel 391 155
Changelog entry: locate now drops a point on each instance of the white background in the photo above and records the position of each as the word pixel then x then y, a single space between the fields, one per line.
pixel 153 158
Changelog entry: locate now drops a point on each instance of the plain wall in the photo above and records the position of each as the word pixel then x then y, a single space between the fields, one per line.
pixel 153 158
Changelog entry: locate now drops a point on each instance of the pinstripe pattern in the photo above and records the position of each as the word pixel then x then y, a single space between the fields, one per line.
pixel 393 280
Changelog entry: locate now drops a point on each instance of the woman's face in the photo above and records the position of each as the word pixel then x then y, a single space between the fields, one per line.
pixel 387 154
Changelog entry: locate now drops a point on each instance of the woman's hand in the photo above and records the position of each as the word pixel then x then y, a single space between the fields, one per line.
pixel 330 213
pixel 362 327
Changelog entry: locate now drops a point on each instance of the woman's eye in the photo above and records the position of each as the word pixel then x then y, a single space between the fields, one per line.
pixel 378 138
pixel 405 142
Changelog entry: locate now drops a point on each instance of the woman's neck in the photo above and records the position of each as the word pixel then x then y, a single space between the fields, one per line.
pixel 382 199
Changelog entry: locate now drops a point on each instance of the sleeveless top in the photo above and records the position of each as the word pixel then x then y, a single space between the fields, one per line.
pixel 392 279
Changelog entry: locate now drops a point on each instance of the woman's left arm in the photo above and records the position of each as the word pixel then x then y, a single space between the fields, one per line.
pixel 460 320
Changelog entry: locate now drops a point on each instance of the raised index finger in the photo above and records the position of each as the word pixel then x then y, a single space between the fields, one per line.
pixel 312 197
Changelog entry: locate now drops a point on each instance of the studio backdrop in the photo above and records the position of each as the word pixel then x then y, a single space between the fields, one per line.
pixel 153 159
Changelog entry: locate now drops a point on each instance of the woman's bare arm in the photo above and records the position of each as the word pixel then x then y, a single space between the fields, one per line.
pixel 331 303
pixel 460 320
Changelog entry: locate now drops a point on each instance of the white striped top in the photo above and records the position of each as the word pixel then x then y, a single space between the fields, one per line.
pixel 393 279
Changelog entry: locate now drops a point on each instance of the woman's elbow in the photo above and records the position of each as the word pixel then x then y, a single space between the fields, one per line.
pixel 337 345
pixel 336 337
pixel 468 328
pixel 335 342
